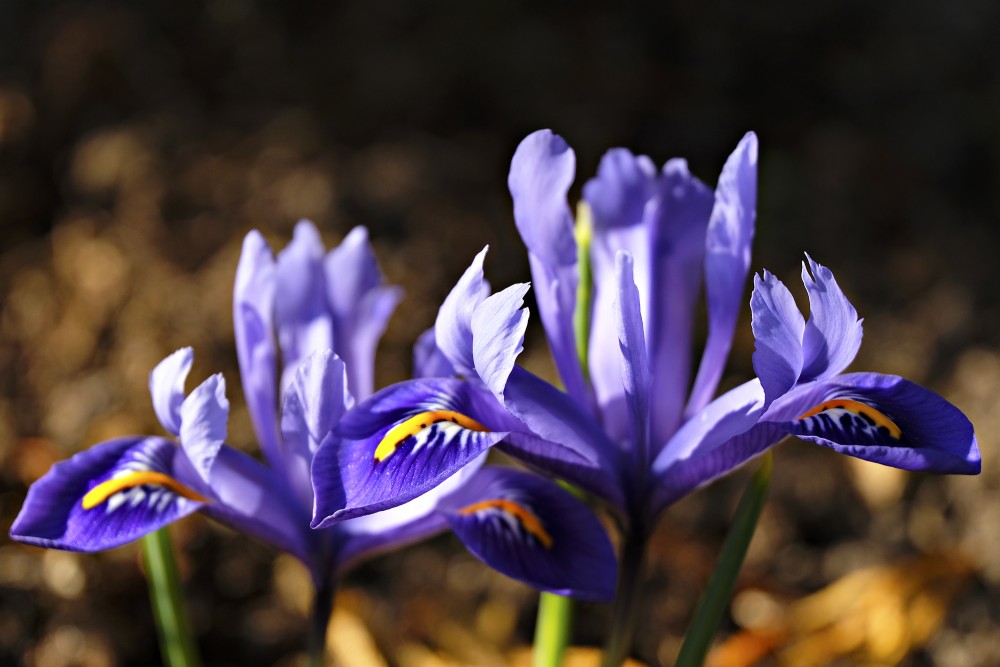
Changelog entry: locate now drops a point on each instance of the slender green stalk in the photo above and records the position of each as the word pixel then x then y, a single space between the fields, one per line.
pixel 625 612
pixel 319 620
pixel 176 645
pixel 555 614
pixel 715 598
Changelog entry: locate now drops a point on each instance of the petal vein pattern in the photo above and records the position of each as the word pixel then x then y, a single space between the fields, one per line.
pixel 108 495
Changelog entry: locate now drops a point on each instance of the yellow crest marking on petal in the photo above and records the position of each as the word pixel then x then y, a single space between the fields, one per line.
pixel 530 522
pixel 403 430
pixel 858 408
pixel 105 490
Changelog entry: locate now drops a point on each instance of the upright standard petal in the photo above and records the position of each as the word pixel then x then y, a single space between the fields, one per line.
pixel 453 327
pixel 833 333
pixel 624 200
pixel 314 403
pixel 107 496
pixel 727 262
pixel 302 316
pixel 778 328
pixel 253 324
pixel 498 325
pixel 166 386
pixel 881 418
pixel 634 360
pixel 361 306
pixel 679 226
pixel 529 529
pixel 204 415
pixel 541 173
pixel 400 443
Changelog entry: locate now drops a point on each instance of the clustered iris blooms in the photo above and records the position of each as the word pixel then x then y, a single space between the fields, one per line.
pixel 321 315
pixel 637 425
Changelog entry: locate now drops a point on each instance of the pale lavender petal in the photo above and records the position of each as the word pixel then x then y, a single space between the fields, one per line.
pixel 204 415
pixel 166 386
pixel 302 316
pixel 253 324
pixel 833 332
pixel 361 306
pixel 728 415
pixel 885 419
pixel 680 224
pixel 778 327
pixel 314 403
pixel 107 496
pixel 541 173
pixel 555 290
pixel 634 361
pixel 428 360
pixel 623 199
pixel 723 436
pixel 254 499
pixel 691 474
pixel 453 327
pixel 727 262
pixel 360 342
pixel 604 357
pixel 498 325
pixel 619 193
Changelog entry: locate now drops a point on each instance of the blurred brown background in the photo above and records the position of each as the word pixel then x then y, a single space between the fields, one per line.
pixel 140 141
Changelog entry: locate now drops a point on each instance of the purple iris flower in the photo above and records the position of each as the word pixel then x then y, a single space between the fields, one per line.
pixel 322 315
pixel 638 424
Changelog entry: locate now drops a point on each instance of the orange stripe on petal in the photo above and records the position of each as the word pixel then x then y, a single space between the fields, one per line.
pixel 529 521
pixel 105 490
pixel 414 425
pixel 857 408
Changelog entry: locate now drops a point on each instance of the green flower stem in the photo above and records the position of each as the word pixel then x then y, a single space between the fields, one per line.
pixel 319 620
pixel 176 645
pixel 719 590
pixel 555 614
pixel 625 612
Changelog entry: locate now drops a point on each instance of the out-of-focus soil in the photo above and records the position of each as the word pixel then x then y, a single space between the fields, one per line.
pixel 139 142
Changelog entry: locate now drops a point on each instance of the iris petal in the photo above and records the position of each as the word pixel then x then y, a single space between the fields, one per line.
pixel 529 529
pixel 301 312
pixel 401 443
pixel 361 306
pixel 541 173
pixel 833 333
pixel 204 414
pixel 253 324
pixel 106 496
pixel 498 326
pixel 727 262
pixel 778 327
pixel 882 418
pixel 166 386
pixel 453 327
